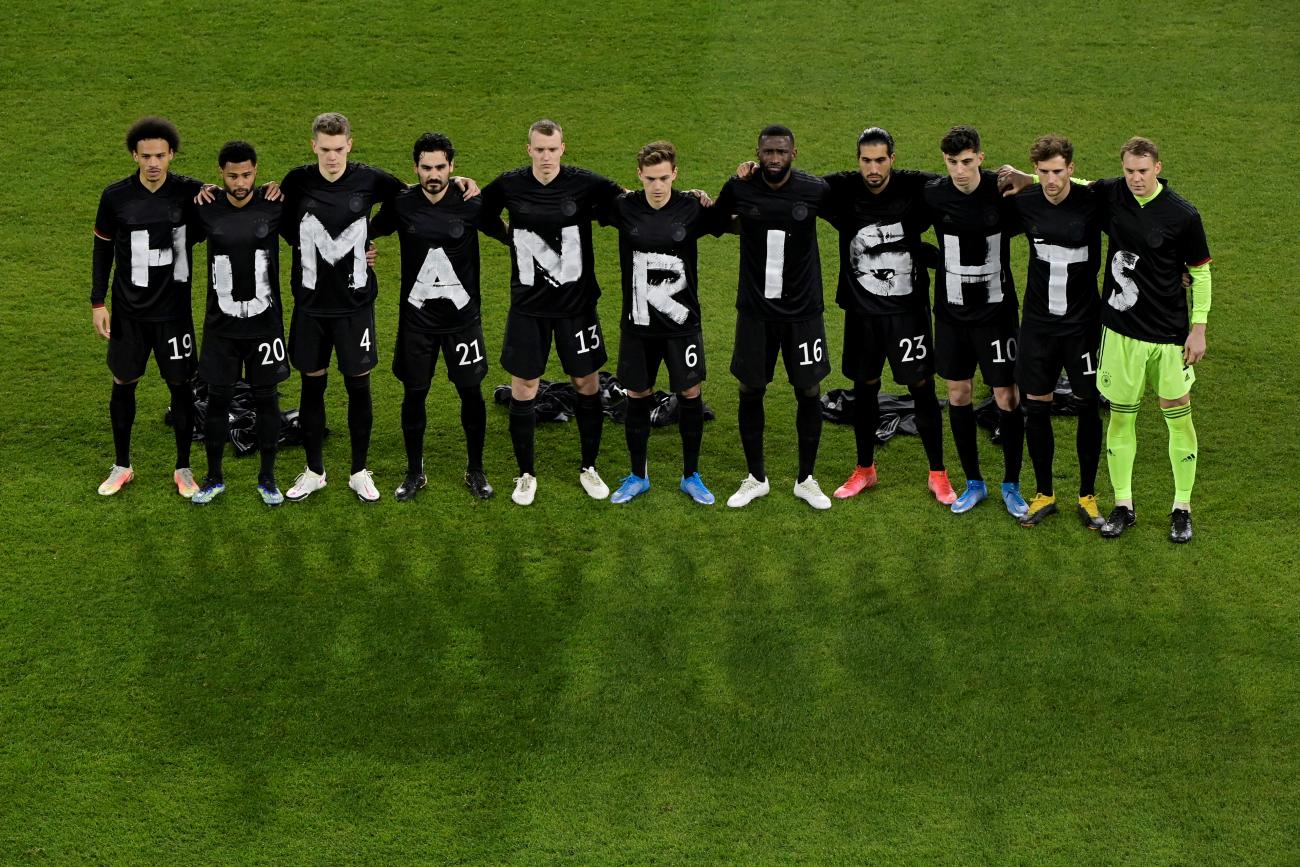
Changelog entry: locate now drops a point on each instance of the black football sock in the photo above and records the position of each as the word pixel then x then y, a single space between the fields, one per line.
pixel 1041 442
pixel 266 400
pixel 121 416
pixel 311 417
pixel 866 418
pixel 414 420
pixel 591 422
pixel 216 429
pixel 473 419
pixel 808 427
pixel 182 420
pixel 1088 445
pixel 690 420
pixel 637 427
pixel 523 423
pixel 1011 425
pixel 361 419
pixel 929 423
pixel 750 419
pixel 962 421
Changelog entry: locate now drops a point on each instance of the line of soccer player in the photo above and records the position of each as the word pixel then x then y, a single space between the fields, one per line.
pixel 1139 329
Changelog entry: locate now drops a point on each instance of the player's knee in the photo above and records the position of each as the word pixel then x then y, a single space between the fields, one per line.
pixel 690 393
pixel 926 384
pixel 1038 408
pixel 1006 397
pixel 223 393
pixel 586 385
pixel 261 393
pixel 523 389
pixel 959 392
pixel 751 393
pixel 467 393
pixel 810 392
pixel 357 385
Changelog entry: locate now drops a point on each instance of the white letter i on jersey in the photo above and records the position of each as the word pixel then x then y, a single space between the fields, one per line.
pixel 772 281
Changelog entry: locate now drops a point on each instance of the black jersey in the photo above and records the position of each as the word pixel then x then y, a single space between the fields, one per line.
pixel 552 267
pixel 1150 247
pixel 1064 256
pixel 780 264
pixel 973 283
pixel 882 271
pixel 657 250
pixel 152 255
pixel 328 225
pixel 243 266
pixel 440 257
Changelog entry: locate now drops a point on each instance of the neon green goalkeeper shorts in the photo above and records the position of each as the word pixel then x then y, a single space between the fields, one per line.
pixel 1127 365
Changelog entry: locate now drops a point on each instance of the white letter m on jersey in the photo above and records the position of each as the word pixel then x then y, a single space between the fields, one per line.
pixel 658 295
pixel 314 238
pixel 557 268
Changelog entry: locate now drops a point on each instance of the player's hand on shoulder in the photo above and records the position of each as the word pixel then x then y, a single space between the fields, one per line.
pixel 706 201
pixel 746 170
pixel 271 191
pixel 1011 180
pixel 99 316
pixel 207 193
pixel 468 187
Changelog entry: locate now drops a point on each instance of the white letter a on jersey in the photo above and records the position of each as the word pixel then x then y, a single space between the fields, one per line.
pixel 437 279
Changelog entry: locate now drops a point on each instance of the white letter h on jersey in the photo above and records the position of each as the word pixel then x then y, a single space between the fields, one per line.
pixel 144 257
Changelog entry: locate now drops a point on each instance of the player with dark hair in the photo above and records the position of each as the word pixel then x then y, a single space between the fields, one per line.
pixel 243 330
pixel 658 228
pixel 1061 326
pixel 327 209
pixel 883 288
pixel 553 292
pixel 779 306
pixel 975 310
pixel 1150 334
pixel 439 305
pixel 141 240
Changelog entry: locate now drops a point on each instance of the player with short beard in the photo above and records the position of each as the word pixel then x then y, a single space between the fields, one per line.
pixel 553 292
pixel 779 306
pixel 141 240
pixel 243 329
pixel 439 306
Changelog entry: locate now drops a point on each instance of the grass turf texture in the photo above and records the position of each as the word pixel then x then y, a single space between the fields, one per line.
pixel 449 681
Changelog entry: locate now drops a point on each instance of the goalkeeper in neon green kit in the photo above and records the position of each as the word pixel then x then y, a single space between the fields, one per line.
pixel 1149 334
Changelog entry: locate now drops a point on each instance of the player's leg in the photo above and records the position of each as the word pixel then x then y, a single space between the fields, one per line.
pixel 466 359
pixel 580 343
pixel 524 349
pixel 996 346
pixel 862 362
pixel 127 355
pixel 310 348
pixel 266 400
pixel 220 363
pixel 803 346
pixel 911 355
pixel 638 367
pixel 1037 367
pixel 1081 367
pixel 684 358
pixel 1121 378
pixel 753 362
pixel 1172 376
pixel 955 361
pixel 356 347
pixel 415 355
pixel 174 351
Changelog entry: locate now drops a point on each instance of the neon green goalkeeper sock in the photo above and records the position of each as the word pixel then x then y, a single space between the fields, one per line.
pixel 1121 448
pixel 1182 450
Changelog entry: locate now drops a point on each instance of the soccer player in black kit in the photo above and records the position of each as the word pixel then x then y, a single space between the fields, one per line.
pixel 975 310
pixel 778 306
pixel 553 292
pixel 243 329
pixel 141 238
pixel 658 227
pixel 439 307
pixel 1061 327
pixel 884 287
pixel 326 220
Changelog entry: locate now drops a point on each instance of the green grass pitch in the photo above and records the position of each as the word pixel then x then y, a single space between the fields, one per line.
pixel 456 682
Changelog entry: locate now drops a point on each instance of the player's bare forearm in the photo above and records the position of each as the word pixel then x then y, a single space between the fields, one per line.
pixel 1194 346
pixel 1011 180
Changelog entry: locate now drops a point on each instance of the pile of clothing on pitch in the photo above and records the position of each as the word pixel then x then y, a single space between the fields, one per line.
pixel 243 419
pixel 556 401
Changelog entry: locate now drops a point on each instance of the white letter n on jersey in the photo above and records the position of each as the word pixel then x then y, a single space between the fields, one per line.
pixel 558 268
pixel 658 295
pixel 888 273
pixel 144 257
pixel 437 279
pixel 314 238
pixel 1058 259
pixel 224 283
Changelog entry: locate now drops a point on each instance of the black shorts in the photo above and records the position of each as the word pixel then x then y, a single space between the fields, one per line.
pixel 578 341
pixel 639 358
pixel 130 341
pixel 959 349
pixel 257 360
pixel 904 338
pixel 1042 355
pixel 416 355
pixel 351 338
pixel 802 344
